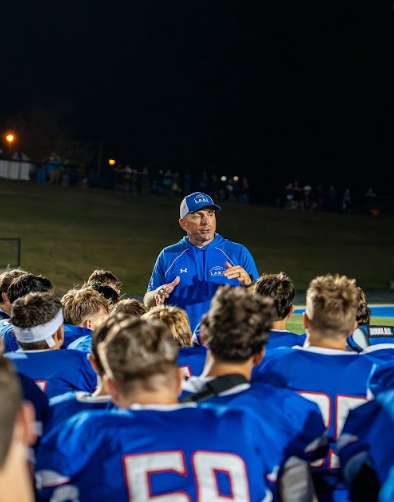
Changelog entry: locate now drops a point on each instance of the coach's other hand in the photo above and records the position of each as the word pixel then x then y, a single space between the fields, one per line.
pixel 236 272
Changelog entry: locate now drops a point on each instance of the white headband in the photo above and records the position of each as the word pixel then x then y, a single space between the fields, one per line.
pixel 40 332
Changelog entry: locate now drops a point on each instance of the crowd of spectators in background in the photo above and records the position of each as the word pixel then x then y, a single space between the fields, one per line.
pixel 168 181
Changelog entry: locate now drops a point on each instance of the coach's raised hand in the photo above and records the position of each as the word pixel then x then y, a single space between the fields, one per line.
pixel 164 291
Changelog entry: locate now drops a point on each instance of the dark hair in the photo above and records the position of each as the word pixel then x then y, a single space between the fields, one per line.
pixel 28 283
pixel 7 277
pixel 280 288
pixel 105 276
pixel 34 309
pixel 238 324
pixel 105 291
pixel 363 315
pixel 10 397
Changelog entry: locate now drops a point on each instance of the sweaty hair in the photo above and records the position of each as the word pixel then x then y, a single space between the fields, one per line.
pixel 78 304
pixel 10 397
pixel 176 319
pixel 100 334
pixel 331 304
pixel 7 277
pixel 280 288
pixel 28 283
pixel 130 306
pixel 32 310
pixel 137 351
pixel 363 316
pixel 105 291
pixel 238 324
pixel 105 276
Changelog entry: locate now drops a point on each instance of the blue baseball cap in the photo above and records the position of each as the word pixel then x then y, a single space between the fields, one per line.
pixel 196 201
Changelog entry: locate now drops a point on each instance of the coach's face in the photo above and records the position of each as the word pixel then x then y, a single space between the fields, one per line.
pixel 200 226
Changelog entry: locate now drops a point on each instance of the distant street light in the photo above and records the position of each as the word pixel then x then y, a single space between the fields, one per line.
pixel 111 162
pixel 10 138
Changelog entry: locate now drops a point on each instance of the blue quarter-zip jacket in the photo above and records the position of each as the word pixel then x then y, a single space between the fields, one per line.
pixel 201 272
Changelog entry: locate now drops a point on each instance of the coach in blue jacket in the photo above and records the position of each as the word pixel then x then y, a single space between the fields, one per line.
pixel 188 273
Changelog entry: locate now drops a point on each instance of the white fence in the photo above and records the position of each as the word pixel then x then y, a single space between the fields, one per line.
pixel 15 169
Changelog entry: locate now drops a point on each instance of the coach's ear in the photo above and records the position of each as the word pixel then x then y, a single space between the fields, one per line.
pixel 182 223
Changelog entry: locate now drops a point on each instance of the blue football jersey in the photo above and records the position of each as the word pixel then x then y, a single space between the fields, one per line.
pixel 72 333
pixel 299 426
pixel 83 344
pixel 31 392
pixel 66 405
pixel 375 440
pixel 7 332
pixel 381 378
pixel 337 381
pixel 56 371
pixel 353 441
pixel 175 453
pixel 192 359
pixel 284 338
pixel 3 315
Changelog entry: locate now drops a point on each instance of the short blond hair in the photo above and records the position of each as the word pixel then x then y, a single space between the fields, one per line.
pixel 176 319
pixel 78 304
pixel 130 306
pixel 331 304
pixel 139 352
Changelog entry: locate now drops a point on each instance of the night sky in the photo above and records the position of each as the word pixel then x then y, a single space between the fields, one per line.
pixel 277 90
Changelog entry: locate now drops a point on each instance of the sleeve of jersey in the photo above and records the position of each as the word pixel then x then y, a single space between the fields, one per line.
pixel 310 440
pixel 88 377
pixel 63 453
pixel 157 278
pixel 353 442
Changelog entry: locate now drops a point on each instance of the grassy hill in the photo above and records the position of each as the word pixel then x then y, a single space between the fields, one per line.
pixel 67 232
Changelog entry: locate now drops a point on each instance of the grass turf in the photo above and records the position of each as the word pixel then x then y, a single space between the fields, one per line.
pixel 294 324
pixel 68 232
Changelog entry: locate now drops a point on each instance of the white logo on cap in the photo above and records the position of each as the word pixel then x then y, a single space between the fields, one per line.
pixel 183 270
pixel 200 199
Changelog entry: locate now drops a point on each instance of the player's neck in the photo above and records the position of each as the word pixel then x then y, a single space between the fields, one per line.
pixel 161 396
pixel 279 325
pixel 214 368
pixel 314 340
pixel 101 390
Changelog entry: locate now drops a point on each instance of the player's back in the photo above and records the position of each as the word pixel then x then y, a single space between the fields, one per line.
pixel 66 405
pixel 337 381
pixel 7 333
pixel 72 333
pixel 56 371
pixel 177 452
pixel 284 338
pixel 192 359
pixel 298 422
